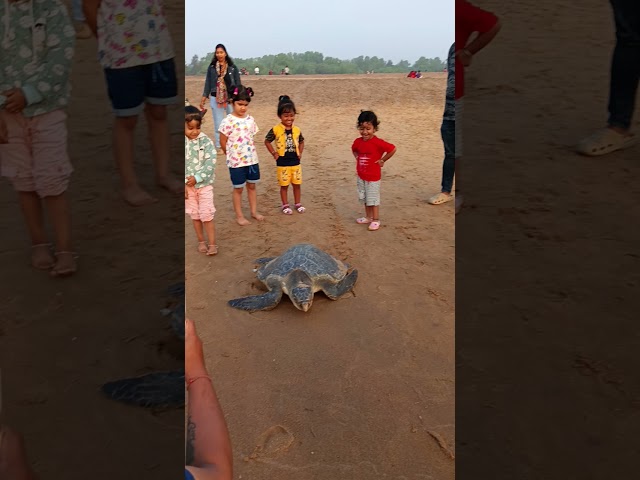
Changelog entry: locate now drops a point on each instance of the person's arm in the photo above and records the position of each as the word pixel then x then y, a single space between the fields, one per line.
pixel 300 145
pixel 52 74
pixel 207 171
pixel 268 139
pixel 209 455
pixel 90 10
pixel 207 88
pixel 485 23
pixel 387 156
pixel 223 143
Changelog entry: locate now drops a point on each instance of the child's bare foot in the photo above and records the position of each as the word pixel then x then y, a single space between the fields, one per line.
pixel 137 197
pixel 41 256
pixel 212 250
pixel 243 221
pixel 257 216
pixel 65 264
pixel 173 185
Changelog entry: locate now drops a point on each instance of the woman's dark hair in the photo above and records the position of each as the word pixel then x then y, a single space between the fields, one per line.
pixel 214 59
pixel 241 93
pixel 368 116
pixel 286 105
pixel 192 113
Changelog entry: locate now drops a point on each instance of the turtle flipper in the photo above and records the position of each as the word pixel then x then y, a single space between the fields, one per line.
pixel 344 286
pixel 263 260
pixel 159 389
pixel 253 303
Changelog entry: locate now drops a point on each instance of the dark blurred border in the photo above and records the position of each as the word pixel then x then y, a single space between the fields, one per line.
pixel 546 256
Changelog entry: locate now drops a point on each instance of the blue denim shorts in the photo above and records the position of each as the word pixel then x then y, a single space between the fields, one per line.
pixel 130 88
pixel 241 175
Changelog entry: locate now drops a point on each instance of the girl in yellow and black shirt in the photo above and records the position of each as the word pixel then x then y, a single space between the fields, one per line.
pixel 288 152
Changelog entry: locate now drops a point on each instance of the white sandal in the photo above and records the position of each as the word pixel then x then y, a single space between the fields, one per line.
pixel 440 198
pixel 605 141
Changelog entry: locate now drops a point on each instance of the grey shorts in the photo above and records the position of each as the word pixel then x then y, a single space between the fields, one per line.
pixel 369 192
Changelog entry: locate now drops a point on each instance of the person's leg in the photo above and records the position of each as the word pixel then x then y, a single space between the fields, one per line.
pixel 161 90
pixel 373 199
pixel 297 194
pixel 284 195
pixel 252 195
pixel 360 185
pixel 207 212
pixel 51 171
pixel 218 115
pixel 80 22
pixel 31 207
pixel 253 176
pixel 126 89
pixel 160 138
pixel 448 133
pixel 625 65
pixel 210 229
pixel 238 179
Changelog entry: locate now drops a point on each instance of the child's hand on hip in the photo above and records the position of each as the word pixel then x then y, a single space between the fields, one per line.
pixel 381 162
pixel 186 193
pixel 15 102
pixel 191 181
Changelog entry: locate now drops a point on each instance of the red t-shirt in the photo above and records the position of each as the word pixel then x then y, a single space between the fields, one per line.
pixel 469 19
pixel 369 153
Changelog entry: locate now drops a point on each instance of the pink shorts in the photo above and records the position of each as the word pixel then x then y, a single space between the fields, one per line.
pixel 199 205
pixel 35 158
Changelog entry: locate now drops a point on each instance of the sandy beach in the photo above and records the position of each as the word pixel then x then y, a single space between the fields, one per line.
pixel 60 339
pixel 362 387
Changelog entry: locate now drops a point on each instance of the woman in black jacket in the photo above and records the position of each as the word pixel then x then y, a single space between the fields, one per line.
pixel 222 77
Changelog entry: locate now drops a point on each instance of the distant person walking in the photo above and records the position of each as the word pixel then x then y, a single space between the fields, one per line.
pixel 286 70
pixel 222 77
pixel 256 70
pixel 623 84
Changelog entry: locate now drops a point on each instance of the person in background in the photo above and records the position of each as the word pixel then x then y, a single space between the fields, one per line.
pixel 286 70
pixel 222 77
pixel 137 56
pixel 623 84
pixel 208 446
pixel 448 133
pixel 256 70
pixel 469 19
pixel 83 31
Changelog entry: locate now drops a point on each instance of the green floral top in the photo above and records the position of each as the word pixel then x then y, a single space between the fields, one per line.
pixel 200 160
pixel 37 42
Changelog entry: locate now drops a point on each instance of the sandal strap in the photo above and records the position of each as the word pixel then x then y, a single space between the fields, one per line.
pixel 63 252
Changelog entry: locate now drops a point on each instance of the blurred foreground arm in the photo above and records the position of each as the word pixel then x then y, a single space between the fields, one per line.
pixel 13 457
pixel 209 455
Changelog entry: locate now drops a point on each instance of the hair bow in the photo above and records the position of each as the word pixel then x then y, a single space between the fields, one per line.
pixel 235 91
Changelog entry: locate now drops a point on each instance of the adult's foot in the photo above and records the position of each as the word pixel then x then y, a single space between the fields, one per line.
pixel 605 141
pixel 257 216
pixel 41 256
pixel 137 197
pixel 440 198
pixel 242 221
pixel 172 185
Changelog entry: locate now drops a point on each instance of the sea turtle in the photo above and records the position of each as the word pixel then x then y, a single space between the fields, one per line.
pixel 299 272
pixel 157 389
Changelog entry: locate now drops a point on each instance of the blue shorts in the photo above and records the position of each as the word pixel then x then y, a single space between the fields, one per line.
pixel 241 175
pixel 130 88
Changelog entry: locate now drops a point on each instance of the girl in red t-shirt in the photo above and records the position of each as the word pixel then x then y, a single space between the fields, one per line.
pixel 371 153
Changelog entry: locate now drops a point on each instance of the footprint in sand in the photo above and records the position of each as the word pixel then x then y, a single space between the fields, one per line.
pixel 273 442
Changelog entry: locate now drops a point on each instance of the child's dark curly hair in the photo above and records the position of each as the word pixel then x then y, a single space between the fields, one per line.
pixel 241 93
pixel 368 116
pixel 286 105
pixel 191 114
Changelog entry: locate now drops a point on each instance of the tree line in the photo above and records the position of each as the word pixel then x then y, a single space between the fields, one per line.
pixel 313 63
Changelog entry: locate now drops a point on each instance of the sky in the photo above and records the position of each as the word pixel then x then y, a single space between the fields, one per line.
pixel 392 29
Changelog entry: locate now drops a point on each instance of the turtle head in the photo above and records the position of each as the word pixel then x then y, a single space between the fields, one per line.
pixel 301 291
pixel 302 297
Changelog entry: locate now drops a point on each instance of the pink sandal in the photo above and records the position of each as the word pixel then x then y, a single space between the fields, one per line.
pixel 286 209
pixel 363 220
pixel 374 225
